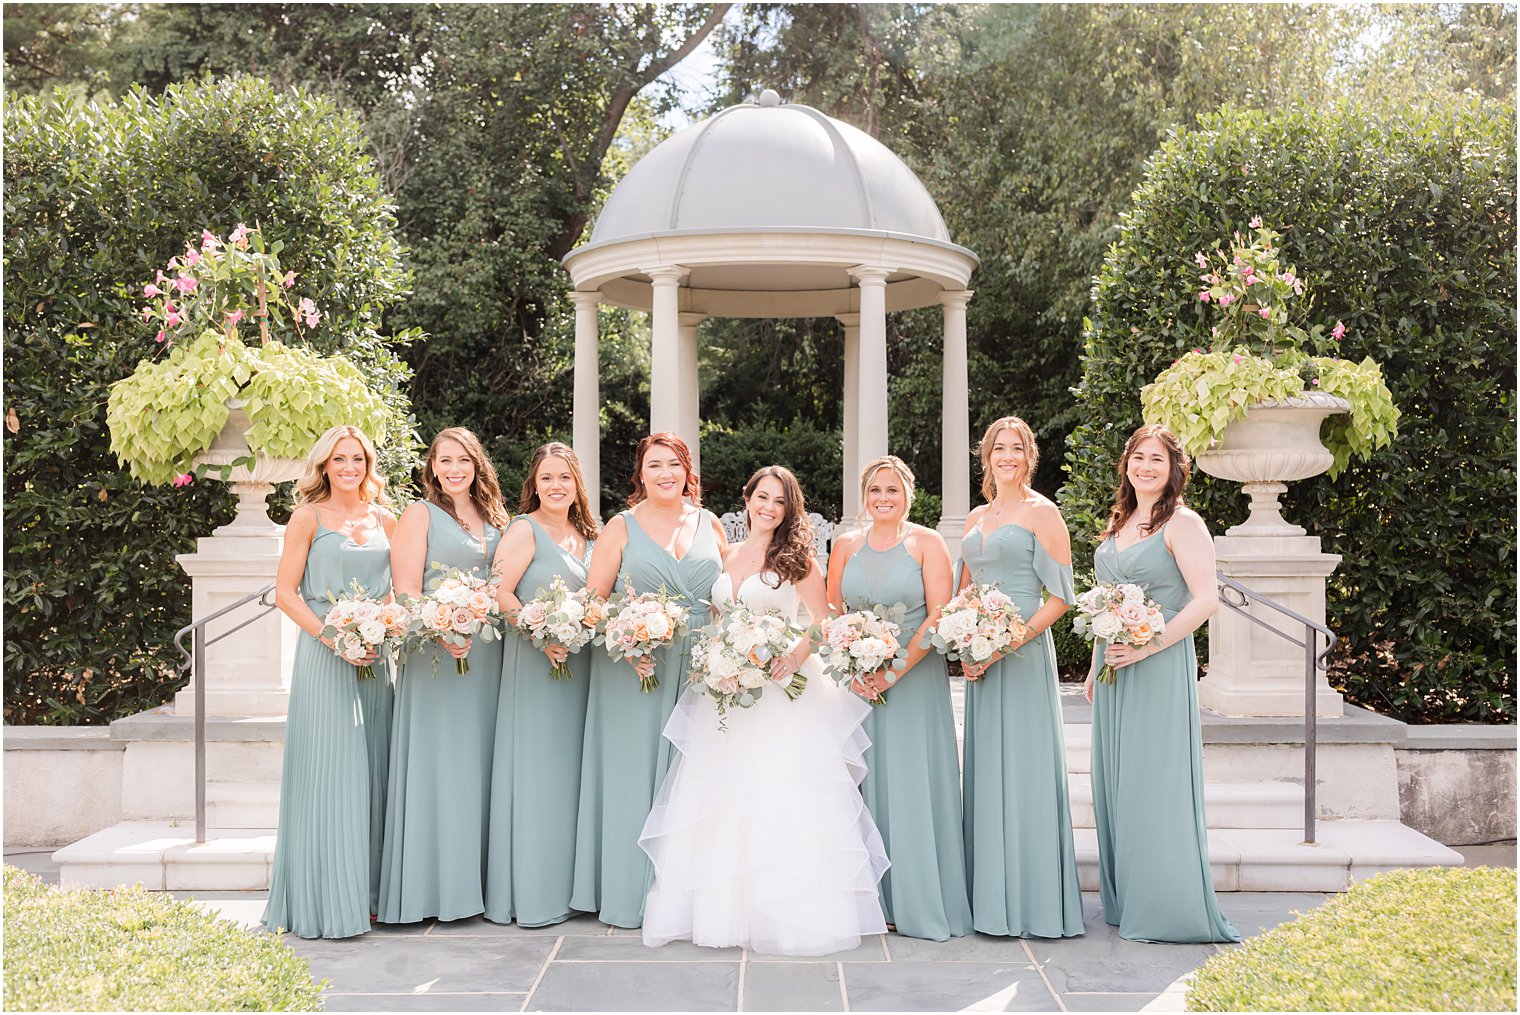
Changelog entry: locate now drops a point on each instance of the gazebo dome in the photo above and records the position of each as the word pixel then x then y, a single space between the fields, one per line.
pixel 770 166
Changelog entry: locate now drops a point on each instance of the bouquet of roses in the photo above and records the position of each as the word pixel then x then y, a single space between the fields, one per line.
pixel 1117 615
pixel 458 606
pixel 864 641
pixel 359 625
pixel 981 620
pixel 637 624
pixel 557 616
pixel 733 660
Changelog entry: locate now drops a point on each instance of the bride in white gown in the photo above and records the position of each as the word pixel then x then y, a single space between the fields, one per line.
pixel 759 836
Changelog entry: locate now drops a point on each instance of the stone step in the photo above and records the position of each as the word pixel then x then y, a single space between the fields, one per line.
pixel 252 804
pixel 163 855
pixel 1277 859
pixel 1226 804
pixel 1078 737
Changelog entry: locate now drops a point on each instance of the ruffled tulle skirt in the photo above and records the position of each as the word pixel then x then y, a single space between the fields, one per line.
pixel 758 835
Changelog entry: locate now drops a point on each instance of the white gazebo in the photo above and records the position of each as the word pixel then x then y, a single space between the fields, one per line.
pixel 771 209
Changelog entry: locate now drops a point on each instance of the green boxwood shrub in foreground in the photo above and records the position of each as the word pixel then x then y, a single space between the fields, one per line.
pixel 1414 940
pixel 133 950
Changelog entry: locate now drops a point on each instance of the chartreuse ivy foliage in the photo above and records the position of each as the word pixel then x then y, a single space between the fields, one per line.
pixel 170 410
pixel 98 198
pixel 77 949
pixel 1403 226
pixel 1441 939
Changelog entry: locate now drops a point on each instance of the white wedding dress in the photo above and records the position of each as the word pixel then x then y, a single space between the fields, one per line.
pixel 759 836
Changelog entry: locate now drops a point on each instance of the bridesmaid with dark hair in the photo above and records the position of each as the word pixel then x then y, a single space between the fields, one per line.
pixel 1153 851
pixel 535 779
pixel 434 861
pixel 667 539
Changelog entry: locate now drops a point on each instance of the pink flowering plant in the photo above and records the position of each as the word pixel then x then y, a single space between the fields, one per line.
pixel 1261 351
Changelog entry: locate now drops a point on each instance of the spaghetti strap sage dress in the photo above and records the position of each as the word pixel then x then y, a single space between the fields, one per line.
pixel 326 873
pixel 1147 773
pixel 912 783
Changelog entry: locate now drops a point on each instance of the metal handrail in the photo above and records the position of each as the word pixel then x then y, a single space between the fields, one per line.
pixel 196 663
pixel 1239 598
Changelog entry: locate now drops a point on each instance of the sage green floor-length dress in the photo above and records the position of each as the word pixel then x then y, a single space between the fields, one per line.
pixel 912 783
pixel 1147 773
pixel 624 757
pixel 326 873
pixel 441 750
pixel 536 777
pixel 1021 865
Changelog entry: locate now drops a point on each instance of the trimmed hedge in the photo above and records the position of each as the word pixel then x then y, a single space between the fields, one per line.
pixel 97 198
pixel 1404 228
pixel 1441 939
pixel 132 950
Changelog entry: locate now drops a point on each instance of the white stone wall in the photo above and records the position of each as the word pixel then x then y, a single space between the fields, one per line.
pixel 61 784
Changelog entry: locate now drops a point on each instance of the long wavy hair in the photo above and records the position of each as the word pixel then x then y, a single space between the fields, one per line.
pixel 485 490
pixel 1031 452
pixel 790 553
pixel 314 486
pixel 904 475
pixel 1125 501
pixel 683 455
pixel 580 507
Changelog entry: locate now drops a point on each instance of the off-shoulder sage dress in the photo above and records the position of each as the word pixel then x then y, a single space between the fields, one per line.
pixel 1021 865
pixel 1147 773
pixel 326 873
pixel 442 741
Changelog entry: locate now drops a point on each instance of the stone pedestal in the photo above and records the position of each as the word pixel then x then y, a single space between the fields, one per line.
pixel 1252 671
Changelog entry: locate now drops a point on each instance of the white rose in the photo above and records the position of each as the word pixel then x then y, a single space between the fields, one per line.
pixel 981 648
pixel 956 626
pixel 372 631
pixel 1132 593
pixel 722 665
pixel 1106 626
pixel 573 611
pixel 657 626
pixel 751 677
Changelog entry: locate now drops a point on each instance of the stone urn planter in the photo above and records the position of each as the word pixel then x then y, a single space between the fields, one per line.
pixel 252 476
pixel 1277 443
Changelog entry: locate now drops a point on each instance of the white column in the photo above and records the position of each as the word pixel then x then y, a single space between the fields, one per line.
pixel 586 410
pixel 872 405
pixel 955 433
pixel 665 352
pixel 691 389
pixel 851 504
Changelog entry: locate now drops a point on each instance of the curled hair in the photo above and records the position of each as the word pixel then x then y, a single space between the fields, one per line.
pixel 314 486
pixel 485 489
pixel 904 475
pixel 693 487
pixel 790 553
pixel 1180 466
pixel 1031 452
pixel 580 506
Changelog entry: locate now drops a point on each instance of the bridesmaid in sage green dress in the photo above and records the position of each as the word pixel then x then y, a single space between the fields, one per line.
pixel 536 778
pixel 1153 850
pixel 444 730
pixel 912 784
pixel 337 734
pixel 1021 865
pixel 661 540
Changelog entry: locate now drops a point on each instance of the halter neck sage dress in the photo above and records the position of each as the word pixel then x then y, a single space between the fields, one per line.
pixel 536 777
pixel 1021 866
pixel 442 740
pixel 1147 772
pixel 326 875
pixel 625 757
pixel 912 783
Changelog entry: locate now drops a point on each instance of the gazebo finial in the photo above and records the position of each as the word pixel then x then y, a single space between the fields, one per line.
pixel 769 99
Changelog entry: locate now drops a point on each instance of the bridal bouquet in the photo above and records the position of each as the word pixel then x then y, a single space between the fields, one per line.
pixel 864 641
pixel 637 624
pixel 557 616
pixel 979 622
pixel 732 661
pixel 1117 615
pixel 458 607
pixel 359 625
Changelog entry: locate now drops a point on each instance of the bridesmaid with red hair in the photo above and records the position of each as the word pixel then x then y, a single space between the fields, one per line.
pixel 665 538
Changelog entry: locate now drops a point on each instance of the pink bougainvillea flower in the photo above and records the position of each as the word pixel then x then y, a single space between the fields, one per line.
pixel 1204 296
pixel 1265 313
pixel 150 290
pixel 161 337
pixel 309 312
pixel 147 314
pixel 172 319
pixel 208 241
pixel 1256 222
pixel 192 257
pixel 1202 262
pixel 1287 277
pixel 239 236
pixel 1338 331
pixel 1250 278
pixel 185 283
pixel 184 479
pixel 161 278
pixel 1315 382
pixel 1239 357
pixel 1226 299
pixel 233 318
pixel 290 279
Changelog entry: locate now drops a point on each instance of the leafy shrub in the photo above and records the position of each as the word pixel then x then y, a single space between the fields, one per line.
pixel 132 950
pixel 1441 939
pixel 98 197
pixel 1405 230
pixel 730 455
